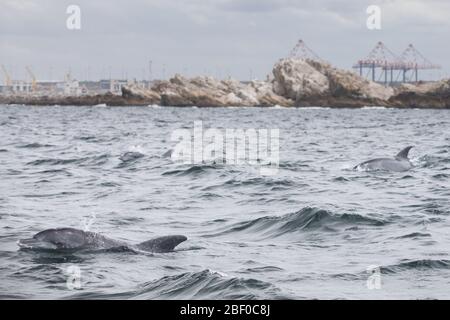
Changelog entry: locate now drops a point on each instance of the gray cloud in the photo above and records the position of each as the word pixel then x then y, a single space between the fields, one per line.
pixel 219 37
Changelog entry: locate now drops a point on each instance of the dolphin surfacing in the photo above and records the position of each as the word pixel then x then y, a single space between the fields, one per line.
pixel 68 239
pixel 400 163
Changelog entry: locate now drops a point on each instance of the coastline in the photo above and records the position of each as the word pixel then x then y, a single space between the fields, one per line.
pixel 418 102
pixel 294 83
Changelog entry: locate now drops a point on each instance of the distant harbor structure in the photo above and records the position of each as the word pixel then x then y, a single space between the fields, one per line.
pixel 381 65
pixel 384 66
pixel 67 87
pixel 302 51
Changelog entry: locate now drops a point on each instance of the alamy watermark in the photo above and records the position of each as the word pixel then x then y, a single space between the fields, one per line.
pixel 73 278
pixel 374 19
pixel 374 280
pixel 73 272
pixel 253 147
pixel 88 222
pixel 73 21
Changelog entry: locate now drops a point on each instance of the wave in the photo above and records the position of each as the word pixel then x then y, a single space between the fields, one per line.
pixel 129 158
pixel 207 284
pixel 263 181
pixel 96 160
pixel 264 269
pixel 374 108
pixel 35 146
pixel 294 165
pixel 315 108
pixel 441 176
pixel 414 235
pixel 306 219
pixel 278 107
pixel 88 138
pixel 429 161
pixel 194 170
pixel 55 162
pixel 416 265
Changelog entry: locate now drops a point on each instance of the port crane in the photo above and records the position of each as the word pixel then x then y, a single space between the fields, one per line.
pixel 8 81
pixel 33 79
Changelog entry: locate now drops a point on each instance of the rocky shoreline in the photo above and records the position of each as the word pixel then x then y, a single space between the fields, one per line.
pixel 295 83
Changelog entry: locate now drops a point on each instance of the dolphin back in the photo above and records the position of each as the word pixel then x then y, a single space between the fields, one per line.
pixel 161 245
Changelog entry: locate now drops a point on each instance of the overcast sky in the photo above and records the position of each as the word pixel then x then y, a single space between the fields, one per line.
pixel 240 38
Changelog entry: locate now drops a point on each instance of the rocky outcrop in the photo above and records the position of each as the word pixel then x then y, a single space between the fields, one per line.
pixel 423 95
pixel 310 82
pixel 296 82
pixel 209 92
pixel 141 95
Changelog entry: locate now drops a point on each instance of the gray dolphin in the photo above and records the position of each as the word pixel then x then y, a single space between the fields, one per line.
pixel 68 239
pixel 398 164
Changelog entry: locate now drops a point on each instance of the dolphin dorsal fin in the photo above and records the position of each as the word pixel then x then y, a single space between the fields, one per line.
pixel 404 153
pixel 161 245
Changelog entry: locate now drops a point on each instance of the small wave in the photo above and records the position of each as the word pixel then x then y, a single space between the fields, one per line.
pixel 294 166
pixel 303 220
pixel 414 235
pixel 341 179
pixel 441 176
pixel 373 108
pixel 54 162
pixel 195 170
pixel 109 184
pixel 96 160
pixel 428 161
pixel 129 158
pixel 278 107
pixel 264 181
pixel 206 284
pixel 263 269
pixel 315 108
pixel 55 171
pixel 3 150
pixel 88 138
pixel 210 195
pixel 34 146
pixel 417 265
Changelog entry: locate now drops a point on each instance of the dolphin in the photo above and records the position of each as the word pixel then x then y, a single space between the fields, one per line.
pixel 400 163
pixel 168 154
pixel 68 239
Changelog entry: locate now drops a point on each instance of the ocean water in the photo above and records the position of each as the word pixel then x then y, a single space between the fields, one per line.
pixel 316 230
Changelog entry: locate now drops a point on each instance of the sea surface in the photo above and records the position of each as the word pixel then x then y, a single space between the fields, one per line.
pixel 315 230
